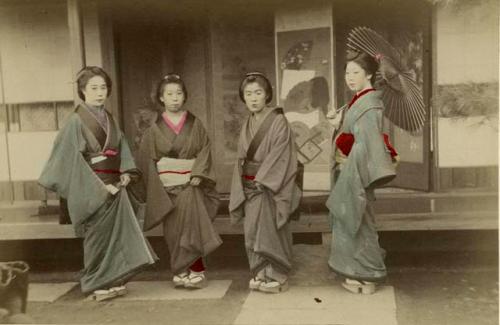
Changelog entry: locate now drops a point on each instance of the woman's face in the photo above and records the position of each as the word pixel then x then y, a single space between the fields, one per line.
pixel 356 77
pixel 255 97
pixel 172 97
pixel 95 91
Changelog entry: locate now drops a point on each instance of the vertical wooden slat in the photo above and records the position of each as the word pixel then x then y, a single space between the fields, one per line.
pixel 209 71
pixel 109 61
pixel 214 92
pixel 33 191
pixel 18 191
pixel 464 177
pixel 487 177
pixel 436 181
pixel 427 30
pixel 77 46
pixel 6 191
pixel 445 178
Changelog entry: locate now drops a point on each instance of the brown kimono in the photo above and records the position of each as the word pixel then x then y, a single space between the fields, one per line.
pixel 186 211
pixel 266 211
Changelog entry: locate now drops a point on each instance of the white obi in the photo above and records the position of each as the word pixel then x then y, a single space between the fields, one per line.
pixel 173 171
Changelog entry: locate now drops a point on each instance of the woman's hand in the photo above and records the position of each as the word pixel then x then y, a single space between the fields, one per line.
pixel 124 179
pixel 334 116
pixel 331 114
pixel 259 186
pixel 195 181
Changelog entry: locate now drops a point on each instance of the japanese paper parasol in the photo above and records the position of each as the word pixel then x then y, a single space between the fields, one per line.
pixel 404 105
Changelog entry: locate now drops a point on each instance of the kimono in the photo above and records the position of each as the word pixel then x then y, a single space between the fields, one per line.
pixel 88 156
pixel 266 210
pixel 357 170
pixel 186 212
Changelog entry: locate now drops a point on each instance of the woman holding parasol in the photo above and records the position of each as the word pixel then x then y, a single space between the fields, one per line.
pixel 363 158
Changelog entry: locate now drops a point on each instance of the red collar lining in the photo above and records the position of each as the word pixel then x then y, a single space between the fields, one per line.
pixel 357 96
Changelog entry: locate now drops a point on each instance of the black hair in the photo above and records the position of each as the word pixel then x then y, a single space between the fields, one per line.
pixel 261 80
pixel 170 78
pixel 365 61
pixel 85 74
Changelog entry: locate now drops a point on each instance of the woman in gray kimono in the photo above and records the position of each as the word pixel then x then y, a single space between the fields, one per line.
pixel 90 166
pixel 263 191
pixel 179 184
pixel 363 160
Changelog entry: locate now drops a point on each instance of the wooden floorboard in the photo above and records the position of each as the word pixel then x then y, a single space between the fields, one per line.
pixel 395 211
pixel 482 220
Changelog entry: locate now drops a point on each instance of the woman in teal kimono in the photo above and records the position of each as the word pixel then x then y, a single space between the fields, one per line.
pixel 90 166
pixel 362 161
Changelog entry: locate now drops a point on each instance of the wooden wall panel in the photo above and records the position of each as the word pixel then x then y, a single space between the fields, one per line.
pixel 241 42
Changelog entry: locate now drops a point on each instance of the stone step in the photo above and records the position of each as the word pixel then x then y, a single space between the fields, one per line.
pixel 318 305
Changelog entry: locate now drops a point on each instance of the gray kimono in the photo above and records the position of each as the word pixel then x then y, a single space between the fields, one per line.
pixel 266 211
pixel 114 246
pixel 355 251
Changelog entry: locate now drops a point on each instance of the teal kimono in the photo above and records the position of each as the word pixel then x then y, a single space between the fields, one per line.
pixel 87 156
pixel 355 251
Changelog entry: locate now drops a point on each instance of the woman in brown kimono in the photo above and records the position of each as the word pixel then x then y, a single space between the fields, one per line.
pixel 179 184
pixel 90 166
pixel 263 191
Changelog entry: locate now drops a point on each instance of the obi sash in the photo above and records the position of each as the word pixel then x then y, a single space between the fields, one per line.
pixel 174 171
pixel 106 166
pixel 250 169
pixel 345 141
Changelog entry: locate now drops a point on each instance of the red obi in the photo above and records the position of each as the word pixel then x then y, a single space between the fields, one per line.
pixel 345 141
pixel 180 172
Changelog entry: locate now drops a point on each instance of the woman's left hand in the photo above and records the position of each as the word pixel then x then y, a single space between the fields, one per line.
pixel 335 116
pixel 124 179
pixel 195 181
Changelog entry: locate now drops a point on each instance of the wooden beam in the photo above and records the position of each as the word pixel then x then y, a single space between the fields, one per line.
pixel 76 39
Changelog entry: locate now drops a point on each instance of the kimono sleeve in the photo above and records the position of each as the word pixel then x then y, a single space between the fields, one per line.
pixel 374 160
pixel 237 194
pixel 150 187
pixel 275 169
pixel 127 163
pixel 68 174
pixel 203 165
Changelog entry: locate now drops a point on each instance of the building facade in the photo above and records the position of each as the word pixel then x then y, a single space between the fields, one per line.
pixel 448 176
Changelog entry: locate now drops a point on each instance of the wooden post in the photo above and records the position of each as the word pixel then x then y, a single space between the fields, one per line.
pixel 109 61
pixel 76 39
pixel 434 110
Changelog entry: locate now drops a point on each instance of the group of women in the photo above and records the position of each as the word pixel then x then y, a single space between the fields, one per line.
pixel 112 197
